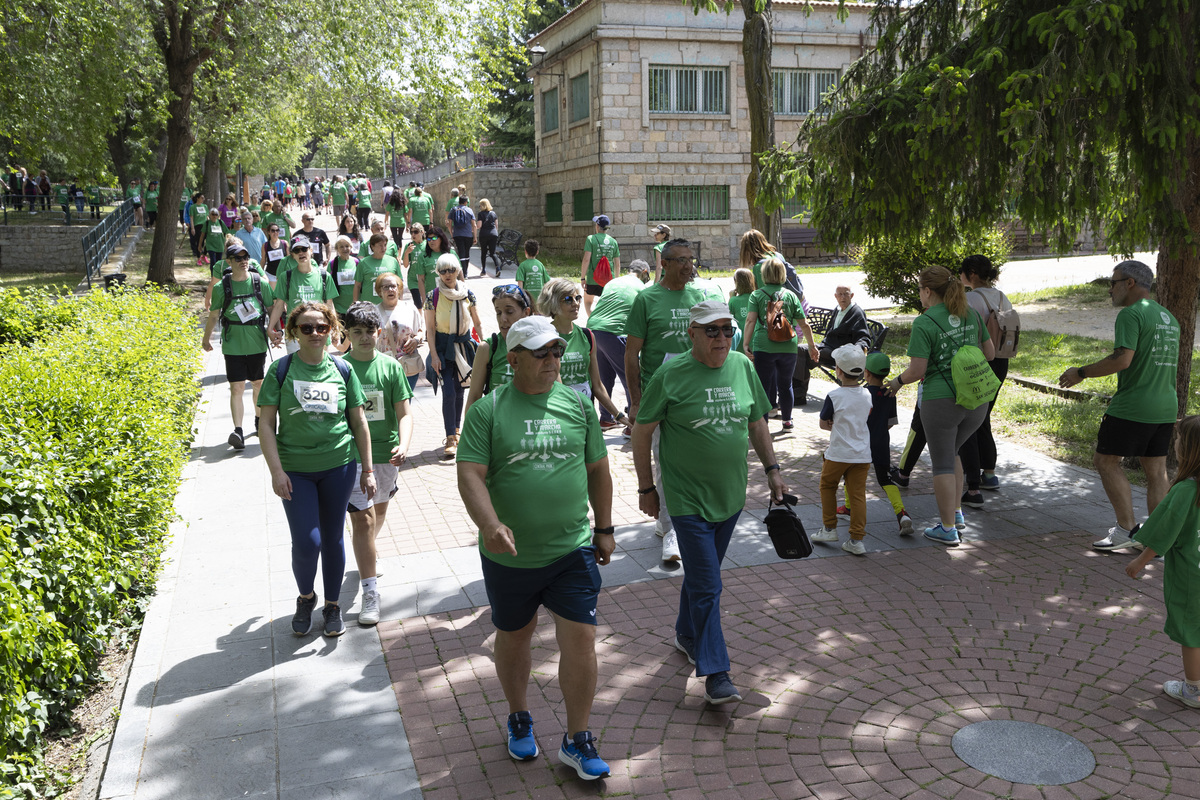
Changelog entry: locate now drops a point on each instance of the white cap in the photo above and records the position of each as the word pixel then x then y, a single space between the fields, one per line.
pixel 710 311
pixel 532 333
pixel 850 359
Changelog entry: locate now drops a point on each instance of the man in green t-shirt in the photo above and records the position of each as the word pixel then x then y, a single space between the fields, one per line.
pixel 337 194
pixel 655 332
pixel 598 245
pixel 386 407
pixel 243 316
pixel 1141 415
pixel 707 404
pixel 526 442
pixel 531 273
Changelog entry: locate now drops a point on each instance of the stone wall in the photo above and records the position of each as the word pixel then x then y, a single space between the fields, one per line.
pixel 513 193
pixel 42 248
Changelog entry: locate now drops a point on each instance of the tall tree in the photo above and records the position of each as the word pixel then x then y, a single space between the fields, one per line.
pixel 1069 112
pixel 757 36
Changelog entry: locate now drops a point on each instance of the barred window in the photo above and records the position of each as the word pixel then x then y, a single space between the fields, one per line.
pixel 799 91
pixel 689 90
pixel 669 203
pixel 550 111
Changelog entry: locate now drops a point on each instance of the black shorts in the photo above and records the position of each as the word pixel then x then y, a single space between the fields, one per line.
pixel 594 289
pixel 1123 437
pixel 245 368
pixel 569 587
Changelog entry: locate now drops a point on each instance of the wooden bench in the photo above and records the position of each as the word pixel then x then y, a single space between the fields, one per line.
pixel 799 236
pixel 821 320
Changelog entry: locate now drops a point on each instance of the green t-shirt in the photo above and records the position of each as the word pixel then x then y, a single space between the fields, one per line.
pixel 939 344
pixel 414 263
pixel 611 311
pixel 739 306
pixel 199 214
pixel 574 369
pixel 384 385
pixel 792 307
pixel 1146 388
pixel 502 371
pixel 285 230
pixel 601 244
pixel 314 434
pixel 543 440
pixel 296 287
pixel 421 207
pixel 704 416
pixel 757 268
pixel 364 250
pixel 244 339
pixel 152 200
pixel 451 204
pixel 95 197
pixel 344 275
pixel 61 195
pixel 660 318
pixel 369 269
pixel 135 192
pixel 426 264
pixel 1173 531
pixel 395 217
pixel 214 236
pixel 531 274
pixel 364 197
pixel 183 199
pixel 337 193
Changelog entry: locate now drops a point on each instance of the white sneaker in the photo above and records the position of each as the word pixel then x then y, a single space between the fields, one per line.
pixel 855 546
pixel 824 535
pixel 1117 539
pixel 369 613
pixel 670 548
pixel 659 530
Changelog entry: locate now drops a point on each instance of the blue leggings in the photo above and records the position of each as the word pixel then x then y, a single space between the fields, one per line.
pixel 316 515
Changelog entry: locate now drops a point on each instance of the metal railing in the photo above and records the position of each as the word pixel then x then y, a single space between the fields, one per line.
pixel 69 212
pixel 464 160
pixel 100 241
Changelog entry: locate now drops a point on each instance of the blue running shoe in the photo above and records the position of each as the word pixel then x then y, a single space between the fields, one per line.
pixel 989 482
pixel 959 520
pixel 719 689
pixel 521 744
pixel 580 754
pixel 942 536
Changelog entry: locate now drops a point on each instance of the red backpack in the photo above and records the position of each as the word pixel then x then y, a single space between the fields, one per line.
pixel 602 274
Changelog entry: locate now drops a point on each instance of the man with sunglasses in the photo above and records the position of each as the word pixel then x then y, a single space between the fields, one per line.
pixel 317 237
pixel 656 332
pixel 707 404
pixel 531 432
pixel 1141 415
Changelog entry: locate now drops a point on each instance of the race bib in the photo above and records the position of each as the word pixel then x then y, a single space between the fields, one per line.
pixel 317 398
pixel 374 406
pixel 275 255
pixel 345 278
pixel 246 309
pixel 316 248
pixel 669 356
pixel 583 388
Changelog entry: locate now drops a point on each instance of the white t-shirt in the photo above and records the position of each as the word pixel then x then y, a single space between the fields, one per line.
pixel 978 299
pixel 399 325
pixel 850 440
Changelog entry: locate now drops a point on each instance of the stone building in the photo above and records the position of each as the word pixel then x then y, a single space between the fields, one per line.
pixel 641 114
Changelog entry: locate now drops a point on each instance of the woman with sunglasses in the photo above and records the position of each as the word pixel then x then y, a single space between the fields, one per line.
pixel 274 251
pixel 318 403
pixel 306 283
pixel 402 324
pixel 437 244
pixel 450 313
pixel 580 367
pixel 774 357
pixel 491 369
pixel 415 280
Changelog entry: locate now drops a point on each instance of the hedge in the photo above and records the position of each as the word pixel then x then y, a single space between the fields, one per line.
pixel 97 396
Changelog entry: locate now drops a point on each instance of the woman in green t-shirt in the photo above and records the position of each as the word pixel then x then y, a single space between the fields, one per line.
pixel 437 244
pixel 739 302
pixel 395 211
pixel 775 361
pixel 491 369
pixel 753 250
pixel 318 403
pixel 579 367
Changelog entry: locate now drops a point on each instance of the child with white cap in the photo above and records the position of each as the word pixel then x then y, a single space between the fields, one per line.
pixel 848 456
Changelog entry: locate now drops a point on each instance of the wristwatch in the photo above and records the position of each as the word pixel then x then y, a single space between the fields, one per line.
pixel 1079 373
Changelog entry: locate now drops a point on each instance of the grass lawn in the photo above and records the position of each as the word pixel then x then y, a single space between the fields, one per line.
pixel 36 279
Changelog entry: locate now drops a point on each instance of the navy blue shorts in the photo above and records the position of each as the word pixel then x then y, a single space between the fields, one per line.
pixel 569 587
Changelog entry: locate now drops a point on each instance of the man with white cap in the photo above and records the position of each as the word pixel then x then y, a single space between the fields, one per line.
pixel 529 440
pixel 708 402
pixel 655 332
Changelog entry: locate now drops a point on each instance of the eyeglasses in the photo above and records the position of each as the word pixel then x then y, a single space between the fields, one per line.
pixel 555 350
pixel 309 330
pixel 678 258
pixel 713 331
pixel 447 271
pixel 511 290
pixel 1114 281
pixel 572 298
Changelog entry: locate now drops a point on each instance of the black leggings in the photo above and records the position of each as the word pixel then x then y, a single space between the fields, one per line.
pixel 979 452
pixel 487 245
pixel 398 236
pixel 915 443
pixel 364 217
pixel 463 245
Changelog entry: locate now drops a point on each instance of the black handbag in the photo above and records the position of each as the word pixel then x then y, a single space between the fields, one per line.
pixel 786 530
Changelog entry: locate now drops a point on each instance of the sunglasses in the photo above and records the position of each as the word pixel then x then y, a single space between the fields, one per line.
pixel 1114 281
pixel 309 330
pixel 272 230
pixel 303 251
pixel 241 257
pixel 572 298
pixel 511 290
pixel 447 271
pixel 713 331
pixel 555 350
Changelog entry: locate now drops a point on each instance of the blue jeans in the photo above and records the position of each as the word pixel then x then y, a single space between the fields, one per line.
pixel 316 515
pixel 775 371
pixel 610 357
pixel 453 392
pixel 702 545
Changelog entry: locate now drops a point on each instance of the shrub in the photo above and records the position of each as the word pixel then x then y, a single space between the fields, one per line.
pixel 94 424
pixel 891 265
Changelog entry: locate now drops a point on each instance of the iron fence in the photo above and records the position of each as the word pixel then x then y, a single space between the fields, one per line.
pixel 23 206
pixel 100 241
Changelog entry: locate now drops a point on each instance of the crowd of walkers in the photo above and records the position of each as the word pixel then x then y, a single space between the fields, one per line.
pixel 364 316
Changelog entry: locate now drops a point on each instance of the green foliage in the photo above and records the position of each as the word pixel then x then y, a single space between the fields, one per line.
pixel 94 422
pixel 892 264
pixel 29 315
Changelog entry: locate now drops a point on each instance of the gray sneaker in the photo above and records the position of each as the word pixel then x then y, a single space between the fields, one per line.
pixel 369 613
pixel 1117 539
pixel 302 620
pixel 687 646
pixel 333 620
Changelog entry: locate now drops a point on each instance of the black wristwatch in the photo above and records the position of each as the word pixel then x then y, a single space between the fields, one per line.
pixel 604 531
pixel 1079 373
pixel 648 489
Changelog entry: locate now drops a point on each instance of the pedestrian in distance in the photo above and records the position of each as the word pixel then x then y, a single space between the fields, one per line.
pixel 462 221
pixel 607 323
pixel 531 273
pixel 487 235
pixel 1141 415
pixel 662 235
pixel 708 406
pixel 597 246
pixel 535 438
pixel 774 312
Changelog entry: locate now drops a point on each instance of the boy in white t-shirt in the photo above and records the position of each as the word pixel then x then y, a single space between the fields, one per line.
pixel 848 456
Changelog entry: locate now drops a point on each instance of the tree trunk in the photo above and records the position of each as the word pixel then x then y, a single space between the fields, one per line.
pixel 760 99
pixel 179 145
pixel 118 147
pixel 214 178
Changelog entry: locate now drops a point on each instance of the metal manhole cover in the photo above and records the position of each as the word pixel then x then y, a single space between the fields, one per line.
pixel 1023 752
